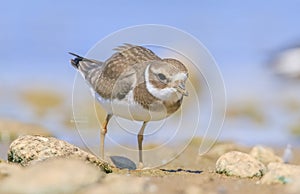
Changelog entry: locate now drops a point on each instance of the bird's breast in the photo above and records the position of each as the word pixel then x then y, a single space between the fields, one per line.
pixel 130 109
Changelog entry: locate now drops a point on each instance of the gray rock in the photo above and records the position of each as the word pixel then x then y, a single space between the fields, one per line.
pixel 119 184
pixel 239 164
pixel 27 150
pixel 281 173
pixel 265 155
pixel 123 162
pixel 52 176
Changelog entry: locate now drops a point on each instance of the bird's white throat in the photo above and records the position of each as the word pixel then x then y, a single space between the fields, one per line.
pixel 165 94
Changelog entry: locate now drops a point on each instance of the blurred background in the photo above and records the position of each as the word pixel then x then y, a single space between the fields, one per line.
pixel 255 43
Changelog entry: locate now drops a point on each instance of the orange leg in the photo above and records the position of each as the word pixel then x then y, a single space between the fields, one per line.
pixel 103 133
pixel 140 138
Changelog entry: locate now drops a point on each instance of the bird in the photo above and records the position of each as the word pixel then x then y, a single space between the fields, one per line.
pixel 286 63
pixel 135 84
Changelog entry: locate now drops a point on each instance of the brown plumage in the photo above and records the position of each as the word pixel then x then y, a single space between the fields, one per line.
pixel 135 79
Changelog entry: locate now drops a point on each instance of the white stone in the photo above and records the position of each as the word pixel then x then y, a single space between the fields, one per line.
pixel 239 164
pixel 265 155
pixel 281 173
pixel 28 150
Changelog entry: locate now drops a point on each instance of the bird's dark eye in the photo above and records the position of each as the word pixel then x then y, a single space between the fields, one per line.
pixel 161 76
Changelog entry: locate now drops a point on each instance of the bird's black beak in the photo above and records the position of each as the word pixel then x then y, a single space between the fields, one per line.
pixel 181 89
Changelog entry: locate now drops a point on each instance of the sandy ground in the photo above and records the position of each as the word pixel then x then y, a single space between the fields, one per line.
pixel 189 180
pixel 190 173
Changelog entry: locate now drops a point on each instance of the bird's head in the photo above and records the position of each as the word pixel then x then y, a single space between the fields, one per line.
pixel 166 79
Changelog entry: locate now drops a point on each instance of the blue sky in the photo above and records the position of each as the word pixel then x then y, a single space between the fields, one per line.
pixel 36 35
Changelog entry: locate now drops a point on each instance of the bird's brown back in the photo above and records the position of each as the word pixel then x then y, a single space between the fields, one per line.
pixel 120 68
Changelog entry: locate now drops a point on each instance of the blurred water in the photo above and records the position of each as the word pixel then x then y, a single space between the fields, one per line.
pixel 242 36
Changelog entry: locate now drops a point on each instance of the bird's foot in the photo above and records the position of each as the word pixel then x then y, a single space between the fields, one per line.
pixel 140 166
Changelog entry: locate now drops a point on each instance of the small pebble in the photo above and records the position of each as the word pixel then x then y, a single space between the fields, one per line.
pixel 123 162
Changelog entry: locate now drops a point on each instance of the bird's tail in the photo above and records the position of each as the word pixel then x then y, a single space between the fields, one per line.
pixel 76 60
pixel 84 65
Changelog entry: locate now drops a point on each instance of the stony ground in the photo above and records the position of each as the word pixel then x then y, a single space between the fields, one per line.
pixel 43 164
pixel 227 168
